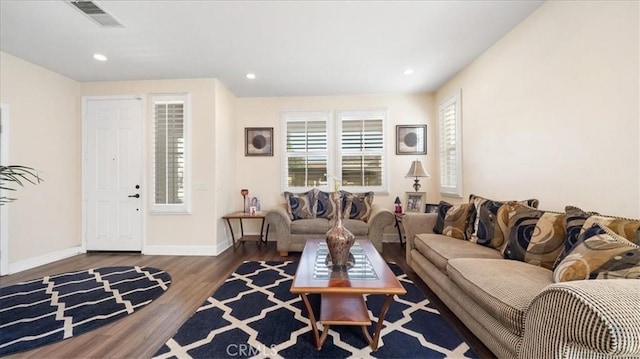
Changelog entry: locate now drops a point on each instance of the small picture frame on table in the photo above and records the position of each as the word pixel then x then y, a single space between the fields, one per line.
pixel 414 201
pixel 258 141
pixel 411 139
pixel 431 208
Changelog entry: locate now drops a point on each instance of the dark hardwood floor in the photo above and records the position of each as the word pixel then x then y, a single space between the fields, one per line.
pixel 193 279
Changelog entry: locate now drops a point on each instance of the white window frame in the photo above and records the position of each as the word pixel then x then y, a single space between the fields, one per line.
pixel 185 206
pixel 346 115
pixel 334 150
pixel 451 190
pixel 304 116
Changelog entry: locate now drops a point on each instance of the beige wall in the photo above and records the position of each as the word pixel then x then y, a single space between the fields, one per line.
pixel 45 134
pixel 224 146
pixel 262 175
pixel 195 233
pixel 551 111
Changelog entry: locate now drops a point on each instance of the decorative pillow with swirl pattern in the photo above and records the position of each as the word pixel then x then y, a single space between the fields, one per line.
pixel 625 227
pixel 358 206
pixel 600 254
pixel 452 220
pixel 325 207
pixel 535 237
pixel 483 220
pixel 303 205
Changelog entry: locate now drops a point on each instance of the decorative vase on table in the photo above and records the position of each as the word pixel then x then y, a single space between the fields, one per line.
pixel 339 239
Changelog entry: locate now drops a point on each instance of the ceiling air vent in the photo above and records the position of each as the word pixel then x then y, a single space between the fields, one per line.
pixel 95 13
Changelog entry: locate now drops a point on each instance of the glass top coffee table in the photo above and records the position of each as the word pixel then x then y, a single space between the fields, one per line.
pixel 342 300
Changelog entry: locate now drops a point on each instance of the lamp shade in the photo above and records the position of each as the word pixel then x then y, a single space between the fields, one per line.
pixel 397 201
pixel 416 170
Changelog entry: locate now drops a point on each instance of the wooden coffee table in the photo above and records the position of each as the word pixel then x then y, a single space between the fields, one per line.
pixel 342 293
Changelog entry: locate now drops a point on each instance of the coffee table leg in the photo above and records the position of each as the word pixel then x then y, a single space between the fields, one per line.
pixel 376 335
pixel 312 318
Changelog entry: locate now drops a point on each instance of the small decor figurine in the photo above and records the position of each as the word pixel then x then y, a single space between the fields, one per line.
pixel 398 208
pixel 339 239
pixel 244 193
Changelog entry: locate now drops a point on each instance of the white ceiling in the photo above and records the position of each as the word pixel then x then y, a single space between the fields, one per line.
pixel 295 48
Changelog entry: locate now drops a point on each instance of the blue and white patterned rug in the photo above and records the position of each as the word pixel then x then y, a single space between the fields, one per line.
pixel 57 307
pixel 253 314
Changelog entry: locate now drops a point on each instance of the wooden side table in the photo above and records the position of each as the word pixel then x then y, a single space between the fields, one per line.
pixel 399 227
pixel 259 239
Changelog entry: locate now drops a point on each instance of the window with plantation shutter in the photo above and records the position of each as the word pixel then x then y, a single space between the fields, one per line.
pixel 361 150
pixel 450 147
pixel 320 148
pixel 306 149
pixel 170 154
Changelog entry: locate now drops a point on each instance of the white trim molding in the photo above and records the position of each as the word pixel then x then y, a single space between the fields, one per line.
pixel 4 210
pixel 183 250
pixel 44 259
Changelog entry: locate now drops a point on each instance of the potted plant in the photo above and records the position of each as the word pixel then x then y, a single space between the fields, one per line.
pixel 17 175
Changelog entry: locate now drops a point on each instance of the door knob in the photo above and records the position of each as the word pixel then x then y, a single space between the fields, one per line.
pixel 137 195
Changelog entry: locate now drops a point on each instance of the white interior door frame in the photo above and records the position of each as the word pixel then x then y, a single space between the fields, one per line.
pixel 4 210
pixel 143 152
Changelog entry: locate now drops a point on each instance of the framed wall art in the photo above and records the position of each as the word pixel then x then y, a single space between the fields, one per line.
pixel 258 141
pixel 414 201
pixel 411 139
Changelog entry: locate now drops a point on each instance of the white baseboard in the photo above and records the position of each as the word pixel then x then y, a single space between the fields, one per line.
pixel 44 259
pixel 184 250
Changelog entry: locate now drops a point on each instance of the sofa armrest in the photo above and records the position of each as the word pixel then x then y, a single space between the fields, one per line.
pixel 587 318
pixel 380 218
pixel 279 221
pixel 417 223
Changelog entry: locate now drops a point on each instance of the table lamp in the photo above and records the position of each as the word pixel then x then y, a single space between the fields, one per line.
pixel 416 171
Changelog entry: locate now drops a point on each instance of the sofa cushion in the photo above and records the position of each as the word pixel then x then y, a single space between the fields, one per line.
pixel 357 227
pixel 503 288
pixel 303 205
pixel 600 254
pixel 439 249
pixel 358 206
pixel 535 237
pixel 483 224
pixel 452 220
pixel 319 226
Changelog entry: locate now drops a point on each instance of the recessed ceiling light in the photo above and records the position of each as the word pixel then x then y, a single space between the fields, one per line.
pixel 100 57
pixel 408 71
pixel 251 76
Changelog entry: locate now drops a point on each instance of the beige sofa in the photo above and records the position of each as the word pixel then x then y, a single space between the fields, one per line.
pixel 292 235
pixel 515 308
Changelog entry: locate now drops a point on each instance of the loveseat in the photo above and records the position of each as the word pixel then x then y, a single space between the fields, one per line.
pixel 528 302
pixel 310 215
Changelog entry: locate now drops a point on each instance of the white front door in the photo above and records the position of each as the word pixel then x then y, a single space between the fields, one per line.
pixel 113 173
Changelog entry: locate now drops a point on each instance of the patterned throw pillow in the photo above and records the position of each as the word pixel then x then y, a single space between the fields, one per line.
pixel 574 220
pixel 483 224
pixel 303 205
pixel 358 206
pixel 452 220
pixel 325 207
pixel 535 237
pixel 625 227
pixel 600 254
